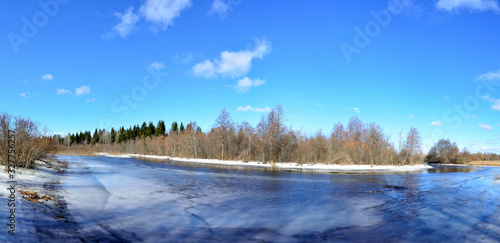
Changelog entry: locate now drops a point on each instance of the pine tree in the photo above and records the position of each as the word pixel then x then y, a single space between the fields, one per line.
pixel 181 128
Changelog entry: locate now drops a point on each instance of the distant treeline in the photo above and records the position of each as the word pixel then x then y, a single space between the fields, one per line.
pixel 270 141
pixel 446 152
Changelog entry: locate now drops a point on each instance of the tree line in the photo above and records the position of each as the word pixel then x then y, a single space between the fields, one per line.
pixel 270 141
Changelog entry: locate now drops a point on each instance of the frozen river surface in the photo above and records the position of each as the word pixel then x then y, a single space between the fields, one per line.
pixel 128 200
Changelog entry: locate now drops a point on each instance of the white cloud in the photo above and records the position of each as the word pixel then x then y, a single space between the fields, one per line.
pixel 162 12
pixel 157 66
pixel 491 141
pixel 128 21
pixel 436 123
pixel 249 108
pixel 90 100
pixel 159 12
pixel 473 5
pixel 245 84
pixel 495 102
pixel 47 77
pixel 220 8
pixel 84 90
pixel 473 144
pixel 489 76
pixel 232 64
pixel 319 104
pixel 63 91
pixel 484 148
pixel 411 116
pixel 485 126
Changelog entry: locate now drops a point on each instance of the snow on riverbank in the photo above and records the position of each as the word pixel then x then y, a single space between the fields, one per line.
pixel 289 166
pixel 113 155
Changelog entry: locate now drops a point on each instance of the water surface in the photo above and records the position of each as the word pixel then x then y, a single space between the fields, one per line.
pixel 135 200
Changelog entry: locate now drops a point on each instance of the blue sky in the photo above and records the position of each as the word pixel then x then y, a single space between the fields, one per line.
pixel 434 65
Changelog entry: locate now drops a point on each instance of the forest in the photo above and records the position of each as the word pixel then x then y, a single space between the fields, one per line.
pixel 270 141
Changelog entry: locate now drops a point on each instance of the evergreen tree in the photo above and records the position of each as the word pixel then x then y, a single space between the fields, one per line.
pixel 160 128
pixel 95 138
pixel 121 135
pixel 129 134
pixel 113 135
pixel 181 128
pixel 144 127
pixel 151 129
pixel 174 127
pixel 135 131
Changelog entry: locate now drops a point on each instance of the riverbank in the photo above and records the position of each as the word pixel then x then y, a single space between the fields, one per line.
pixel 39 204
pixel 285 166
pixel 485 163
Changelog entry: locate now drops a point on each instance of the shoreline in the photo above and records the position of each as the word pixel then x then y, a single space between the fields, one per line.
pixel 283 165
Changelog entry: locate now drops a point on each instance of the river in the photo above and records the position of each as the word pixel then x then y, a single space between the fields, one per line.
pixel 130 200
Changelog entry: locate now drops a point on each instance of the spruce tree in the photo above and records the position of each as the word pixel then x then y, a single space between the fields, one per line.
pixel 135 131
pixel 121 135
pixel 95 138
pixel 151 129
pixel 113 135
pixel 174 127
pixel 181 128
pixel 160 128
pixel 144 127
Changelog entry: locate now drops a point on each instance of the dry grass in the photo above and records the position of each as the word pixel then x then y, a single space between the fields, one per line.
pixel 486 163
pixel 75 150
pixel 34 197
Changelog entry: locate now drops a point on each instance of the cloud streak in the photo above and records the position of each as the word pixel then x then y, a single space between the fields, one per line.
pixel 471 5
pixel 63 91
pixel 249 108
pixel 436 123
pixel 485 126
